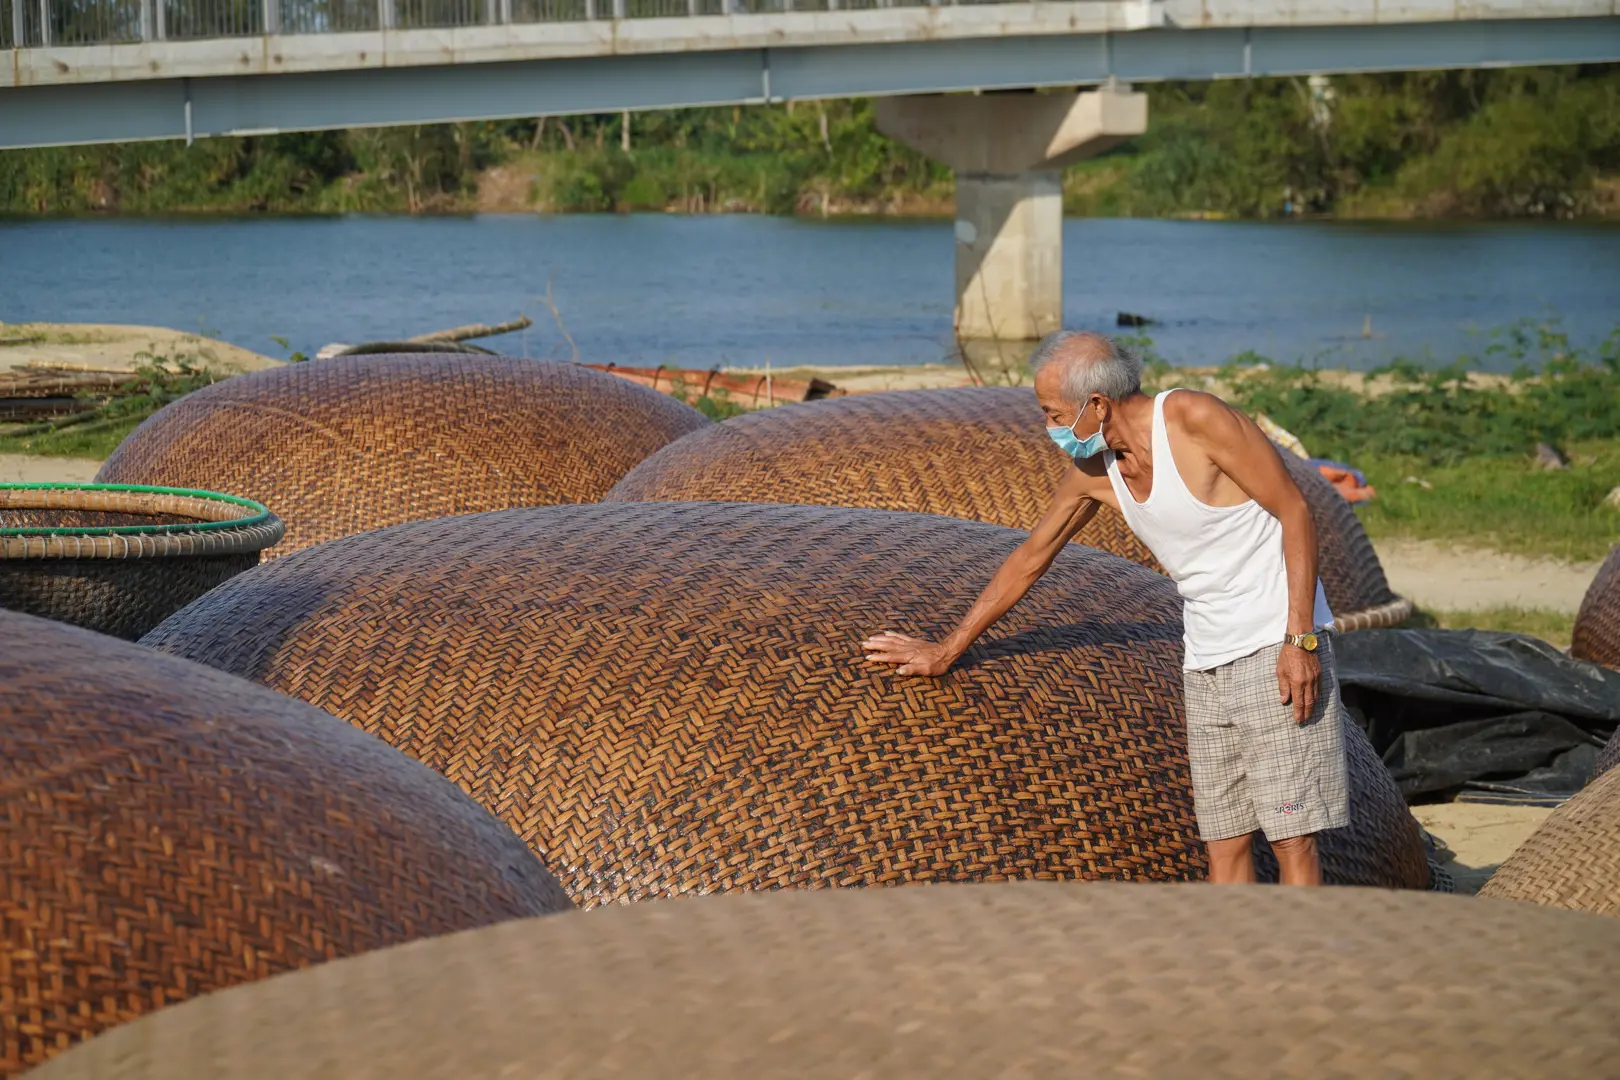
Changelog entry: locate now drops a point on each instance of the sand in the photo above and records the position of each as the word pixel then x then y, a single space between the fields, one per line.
pixel 1440 576
pixel 28 469
pixel 1480 835
pixel 859 379
pixel 106 347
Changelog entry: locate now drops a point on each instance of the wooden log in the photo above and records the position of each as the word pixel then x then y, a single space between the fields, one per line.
pixel 475 330
pixel 752 391
pixel 34 408
pixel 86 421
pixel 61 382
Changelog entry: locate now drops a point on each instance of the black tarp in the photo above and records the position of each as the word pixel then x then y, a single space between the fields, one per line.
pixel 1454 709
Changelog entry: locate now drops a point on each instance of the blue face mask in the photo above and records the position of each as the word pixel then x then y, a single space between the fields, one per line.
pixel 1078 448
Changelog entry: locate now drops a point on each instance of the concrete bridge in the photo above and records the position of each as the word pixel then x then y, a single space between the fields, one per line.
pixel 86 71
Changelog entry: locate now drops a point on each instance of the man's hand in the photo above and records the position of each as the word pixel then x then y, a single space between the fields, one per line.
pixel 1299 679
pixel 914 655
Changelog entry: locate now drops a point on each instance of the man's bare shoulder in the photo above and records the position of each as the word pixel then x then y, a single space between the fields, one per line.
pixel 1195 406
pixel 1200 413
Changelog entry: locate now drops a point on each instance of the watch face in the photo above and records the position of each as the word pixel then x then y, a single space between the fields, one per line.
pixel 1308 642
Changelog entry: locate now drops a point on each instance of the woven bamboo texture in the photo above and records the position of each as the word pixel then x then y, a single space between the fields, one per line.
pixel 340 446
pixel 977 453
pixel 1597 624
pixel 167 829
pixel 1573 859
pixel 1029 980
pixel 99 567
pixel 1609 756
pixel 669 698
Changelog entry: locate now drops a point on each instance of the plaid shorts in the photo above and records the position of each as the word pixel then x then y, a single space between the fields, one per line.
pixel 1253 767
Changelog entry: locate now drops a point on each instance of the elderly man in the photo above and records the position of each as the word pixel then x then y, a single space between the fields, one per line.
pixel 1206 492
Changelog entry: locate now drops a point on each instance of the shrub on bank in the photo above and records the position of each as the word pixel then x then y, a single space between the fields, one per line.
pixel 1555 394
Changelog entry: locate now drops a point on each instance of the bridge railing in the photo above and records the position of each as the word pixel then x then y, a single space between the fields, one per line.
pixel 53 23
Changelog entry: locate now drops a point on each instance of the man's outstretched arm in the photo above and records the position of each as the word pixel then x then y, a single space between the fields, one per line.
pixel 1069 512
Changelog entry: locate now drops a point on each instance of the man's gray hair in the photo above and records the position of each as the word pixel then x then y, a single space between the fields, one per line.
pixel 1091 364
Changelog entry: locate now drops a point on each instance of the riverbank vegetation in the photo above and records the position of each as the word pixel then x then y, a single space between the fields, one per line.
pixel 1532 142
pixel 1456 457
pixel 95 431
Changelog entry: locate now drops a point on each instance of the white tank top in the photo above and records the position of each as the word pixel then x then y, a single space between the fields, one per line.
pixel 1227 561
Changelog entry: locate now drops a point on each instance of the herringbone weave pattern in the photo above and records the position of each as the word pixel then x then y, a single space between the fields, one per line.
pixel 121 597
pixel 336 447
pixel 670 698
pixel 974 452
pixel 1597 624
pixel 1573 859
pixel 1028 980
pixel 166 830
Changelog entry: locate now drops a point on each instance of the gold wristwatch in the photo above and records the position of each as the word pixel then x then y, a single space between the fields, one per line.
pixel 1304 641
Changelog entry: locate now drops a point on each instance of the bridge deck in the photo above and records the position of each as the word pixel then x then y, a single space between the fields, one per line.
pixel 105 70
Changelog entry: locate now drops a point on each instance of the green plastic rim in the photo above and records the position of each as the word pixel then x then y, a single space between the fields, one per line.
pixel 260 515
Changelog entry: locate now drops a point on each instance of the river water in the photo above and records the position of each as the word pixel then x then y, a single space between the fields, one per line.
pixel 739 290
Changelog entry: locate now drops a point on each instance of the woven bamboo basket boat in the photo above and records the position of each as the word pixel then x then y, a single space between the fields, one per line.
pixel 1024 979
pixel 668 698
pixel 120 559
pixel 1573 859
pixel 973 452
pixel 1597 624
pixel 1608 757
pixel 353 443
pixel 171 830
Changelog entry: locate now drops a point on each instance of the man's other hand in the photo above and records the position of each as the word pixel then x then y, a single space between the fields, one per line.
pixel 1299 679
pixel 913 655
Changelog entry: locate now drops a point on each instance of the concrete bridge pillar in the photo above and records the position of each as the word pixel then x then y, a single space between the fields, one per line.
pixel 1008 151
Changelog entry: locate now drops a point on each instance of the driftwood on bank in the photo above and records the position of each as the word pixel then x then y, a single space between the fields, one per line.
pixel 750 391
pixel 33 393
pixel 475 330
pixel 438 337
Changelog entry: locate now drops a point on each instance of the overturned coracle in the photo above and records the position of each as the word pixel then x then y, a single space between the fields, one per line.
pixel 1027 979
pixel 169 830
pixel 668 698
pixel 970 452
pixel 340 446
pixel 1597 624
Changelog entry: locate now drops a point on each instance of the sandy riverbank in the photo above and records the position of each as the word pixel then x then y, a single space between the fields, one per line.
pixel 1480 835
pixel 27 469
pixel 1440 576
pixel 108 347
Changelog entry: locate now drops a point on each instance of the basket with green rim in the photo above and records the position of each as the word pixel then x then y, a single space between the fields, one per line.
pixel 120 558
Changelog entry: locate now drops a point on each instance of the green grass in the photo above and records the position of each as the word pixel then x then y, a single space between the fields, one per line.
pixel 1504 504
pixel 1553 627
pixel 717 406
pixel 158 381
pixel 1469 444
pixel 72 442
